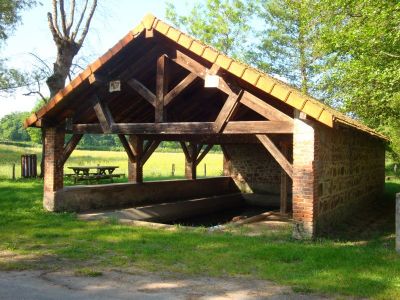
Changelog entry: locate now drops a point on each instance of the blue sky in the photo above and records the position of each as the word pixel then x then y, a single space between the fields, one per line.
pixel 113 19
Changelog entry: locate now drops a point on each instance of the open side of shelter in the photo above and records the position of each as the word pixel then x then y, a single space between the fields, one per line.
pixel 159 84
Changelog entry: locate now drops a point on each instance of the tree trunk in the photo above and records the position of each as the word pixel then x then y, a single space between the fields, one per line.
pixel 65 54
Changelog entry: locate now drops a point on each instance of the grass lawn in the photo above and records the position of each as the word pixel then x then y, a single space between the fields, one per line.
pixel 366 266
pixel 361 262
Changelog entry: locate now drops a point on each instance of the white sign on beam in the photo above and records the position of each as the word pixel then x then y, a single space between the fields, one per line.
pixel 115 86
pixel 211 81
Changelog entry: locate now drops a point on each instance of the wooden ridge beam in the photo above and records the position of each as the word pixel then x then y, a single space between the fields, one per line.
pixel 142 91
pixel 190 128
pixel 69 147
pixel 179 88
pixel 279 157
pixel 128 149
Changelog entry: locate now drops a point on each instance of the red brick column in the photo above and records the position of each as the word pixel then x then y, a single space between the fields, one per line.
pixel 135 169
pixel 305 176
pixel 53 171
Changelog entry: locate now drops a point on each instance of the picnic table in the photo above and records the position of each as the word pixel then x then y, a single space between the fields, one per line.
pixel 97 173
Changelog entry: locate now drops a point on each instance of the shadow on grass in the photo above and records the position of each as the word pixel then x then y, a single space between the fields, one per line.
pixel 367 267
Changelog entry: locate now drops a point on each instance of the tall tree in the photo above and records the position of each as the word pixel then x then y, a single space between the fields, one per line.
pixel 362 38
pixel 68 34
pixel 224 24
pixel 287 32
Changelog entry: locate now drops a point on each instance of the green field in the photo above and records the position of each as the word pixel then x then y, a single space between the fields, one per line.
pixel 158 166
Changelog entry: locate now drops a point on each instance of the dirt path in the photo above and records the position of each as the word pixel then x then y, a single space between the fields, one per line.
pixel 121 285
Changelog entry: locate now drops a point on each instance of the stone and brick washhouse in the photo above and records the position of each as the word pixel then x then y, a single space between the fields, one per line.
pixel 159 84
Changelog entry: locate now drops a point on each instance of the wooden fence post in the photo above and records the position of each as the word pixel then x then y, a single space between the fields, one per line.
pixel 13 171
pixel 205 170
pixel 173 170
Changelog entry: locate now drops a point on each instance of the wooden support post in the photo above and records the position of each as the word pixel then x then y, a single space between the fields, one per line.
pixel 135 169
pixel 190 162
pixel 284 181
pixel 13 171
pixel 104 115
pixel 226 161
pixel 150 148
pixel 69 147
pixel 161 89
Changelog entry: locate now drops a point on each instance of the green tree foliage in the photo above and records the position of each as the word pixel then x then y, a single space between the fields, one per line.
pixel 10 16
pixel 223 24
pixel 11 127
pixel 362 38
pixel 287 36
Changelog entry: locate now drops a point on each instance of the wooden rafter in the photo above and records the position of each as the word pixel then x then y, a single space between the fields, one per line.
pixel 142 91
pixel 279 157
pixel 190 128
pixel 128 149
pixel 103 115
pixel 69 147
pixel 179 88
pixel 263 108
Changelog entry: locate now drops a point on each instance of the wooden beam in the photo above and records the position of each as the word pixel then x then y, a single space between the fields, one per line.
pixel 226 111
pixel 161 88
pixel 263 108
pixel 103 115
pixel 190 165
pixel 279 157
pixel 149 151
pixel 190 128
pixel 142 91
pixel 69 147
pixel 179 88
pixel 135 169
pixel 127 147
pixel 283 194
pixel 185 151
pixel 204 153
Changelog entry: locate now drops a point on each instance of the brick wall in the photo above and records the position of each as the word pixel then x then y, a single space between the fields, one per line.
pixel 351 170
pixel 253 169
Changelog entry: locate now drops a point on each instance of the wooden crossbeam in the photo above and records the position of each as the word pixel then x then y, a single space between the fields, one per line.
pixel 149 151
pixel 69 147
pixel 142 91
pixel 190 128
pixel 203 153
pixel 103 115
pixel 279 157
pixel 226 111
pixel 179 88
pixel 161 88
pixel 128 149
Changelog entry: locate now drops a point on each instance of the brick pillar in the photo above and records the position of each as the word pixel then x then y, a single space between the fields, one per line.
pixel 53 171
pixel 190 164
pixel 135 169
pixel 305 191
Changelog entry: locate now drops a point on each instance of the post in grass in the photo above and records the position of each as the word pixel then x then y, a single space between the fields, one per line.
pixel 13 171
pixel 398 223
pixel 173 170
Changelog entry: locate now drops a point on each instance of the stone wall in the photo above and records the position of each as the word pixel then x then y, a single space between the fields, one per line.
pixel 253 169
pixel 351 174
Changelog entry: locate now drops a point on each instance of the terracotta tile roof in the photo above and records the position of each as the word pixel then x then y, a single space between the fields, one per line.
pixel 280 90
